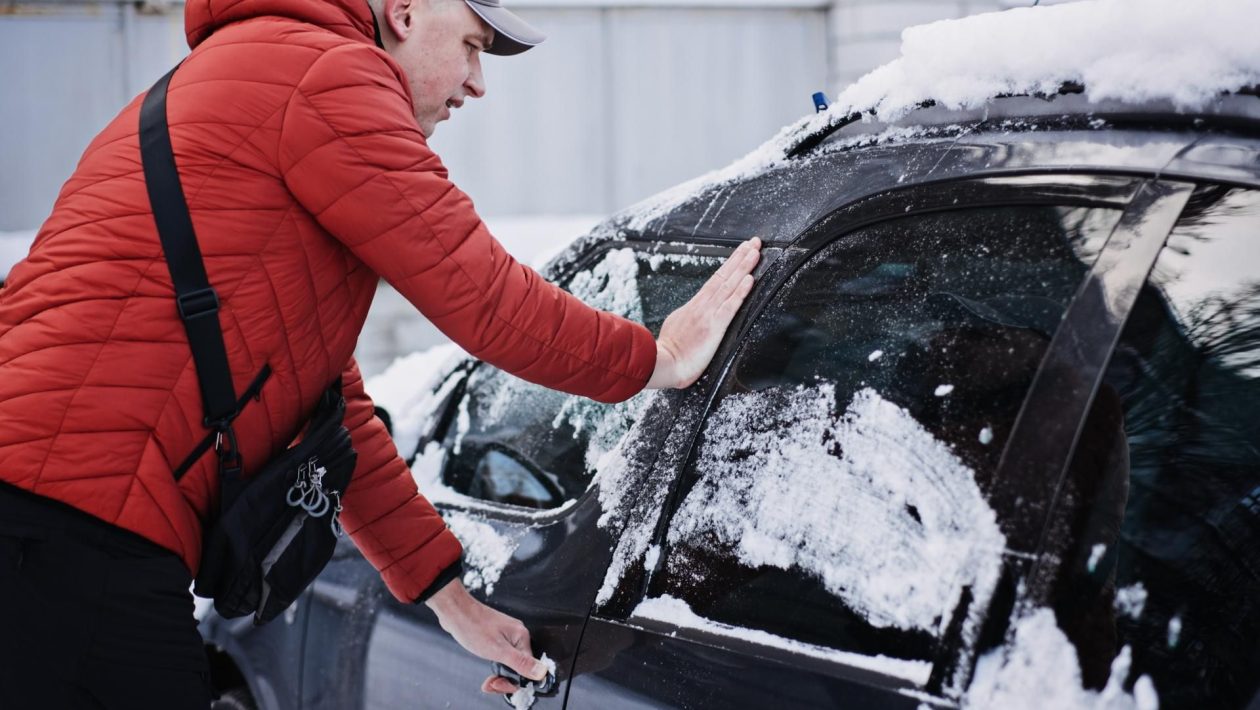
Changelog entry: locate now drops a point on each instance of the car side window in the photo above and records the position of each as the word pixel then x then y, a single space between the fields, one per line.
pixel 1163 494
pixel 517 443
pixel 838 492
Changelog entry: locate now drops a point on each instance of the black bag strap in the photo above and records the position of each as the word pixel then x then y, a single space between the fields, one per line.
pixel 197 302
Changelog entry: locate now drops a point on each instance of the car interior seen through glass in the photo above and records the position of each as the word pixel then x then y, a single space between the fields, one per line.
pixel 521 444
pixel 1163 496
pixel 838 492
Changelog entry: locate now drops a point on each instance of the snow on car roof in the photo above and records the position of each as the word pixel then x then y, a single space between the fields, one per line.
pixel 1136 51
pixel 1128 51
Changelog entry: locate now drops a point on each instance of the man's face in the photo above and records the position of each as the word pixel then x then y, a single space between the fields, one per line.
pixel 438 43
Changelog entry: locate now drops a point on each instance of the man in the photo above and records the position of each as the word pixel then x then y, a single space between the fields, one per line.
pixel 301 146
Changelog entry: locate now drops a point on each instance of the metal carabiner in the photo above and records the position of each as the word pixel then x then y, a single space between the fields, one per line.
pixel 295 495
pixel 315 502
pixel 337 530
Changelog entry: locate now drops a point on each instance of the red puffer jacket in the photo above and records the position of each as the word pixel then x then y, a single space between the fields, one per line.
pixel 307 179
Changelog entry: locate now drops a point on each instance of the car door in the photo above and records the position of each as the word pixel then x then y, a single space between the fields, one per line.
pixel 831 539
pixel 510 465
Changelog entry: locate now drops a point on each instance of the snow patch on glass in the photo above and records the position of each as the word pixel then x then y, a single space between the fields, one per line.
pixel 630 505
pixel 656 261
pixel 1095 556
pixel 1039 668
pixel 1131 600
pixel 486 550
pixel 611 286
pixel 873 505
pixel 678 613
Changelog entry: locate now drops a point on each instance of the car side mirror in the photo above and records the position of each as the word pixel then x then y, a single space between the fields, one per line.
pixel 503 477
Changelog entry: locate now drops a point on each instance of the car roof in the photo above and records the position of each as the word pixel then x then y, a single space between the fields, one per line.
pixel 1139 87
pixel 781 197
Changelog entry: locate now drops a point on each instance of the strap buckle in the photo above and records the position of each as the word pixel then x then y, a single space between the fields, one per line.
pixel 196 304
pixel 225 446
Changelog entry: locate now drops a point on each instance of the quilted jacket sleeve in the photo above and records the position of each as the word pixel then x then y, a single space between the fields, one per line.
pixel 397 530
pixel 353 155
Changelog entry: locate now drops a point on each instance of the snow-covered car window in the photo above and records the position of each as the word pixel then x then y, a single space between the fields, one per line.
pixel 521 444
pixel 1162 498
pixel 838 493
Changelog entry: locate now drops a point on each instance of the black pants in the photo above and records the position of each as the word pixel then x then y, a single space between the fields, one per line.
pixel 92 616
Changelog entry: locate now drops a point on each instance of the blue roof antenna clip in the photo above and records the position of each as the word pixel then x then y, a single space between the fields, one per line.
pixel 820 102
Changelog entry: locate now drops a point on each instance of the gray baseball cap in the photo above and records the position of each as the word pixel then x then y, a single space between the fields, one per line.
pixel 512 35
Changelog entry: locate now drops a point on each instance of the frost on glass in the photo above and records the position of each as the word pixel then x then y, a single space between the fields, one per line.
pixel 611 285
pixel 870 503
pixel 631 507
pixel 411 388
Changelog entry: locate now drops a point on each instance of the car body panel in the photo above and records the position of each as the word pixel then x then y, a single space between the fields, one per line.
pixel 364 649
pixel 820 182
pixel 268 657
pixel 653 668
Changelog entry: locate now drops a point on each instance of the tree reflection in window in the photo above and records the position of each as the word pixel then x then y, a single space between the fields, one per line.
pixel 1167 559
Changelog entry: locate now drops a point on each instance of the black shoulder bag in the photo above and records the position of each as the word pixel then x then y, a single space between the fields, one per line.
pixel 277 529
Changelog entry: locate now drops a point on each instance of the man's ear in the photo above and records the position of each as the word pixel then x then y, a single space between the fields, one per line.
pixel 398 18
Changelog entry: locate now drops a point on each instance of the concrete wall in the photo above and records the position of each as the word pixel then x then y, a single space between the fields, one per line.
pixel 619 103
pixel 67 70
pixel 626 98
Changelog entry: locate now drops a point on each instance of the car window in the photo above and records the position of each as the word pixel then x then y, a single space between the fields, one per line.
pixel 837 493
pixel 1163 494
pixel 517 443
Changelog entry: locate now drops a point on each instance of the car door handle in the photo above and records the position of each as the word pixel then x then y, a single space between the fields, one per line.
pixel 542 688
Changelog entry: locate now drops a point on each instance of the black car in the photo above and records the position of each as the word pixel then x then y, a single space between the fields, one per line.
pixel 989 424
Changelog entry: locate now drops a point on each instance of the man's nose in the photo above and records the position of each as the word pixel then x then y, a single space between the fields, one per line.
pixel 475 84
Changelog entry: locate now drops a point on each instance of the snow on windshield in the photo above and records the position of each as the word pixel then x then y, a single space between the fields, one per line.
pixel 873 505
pixel 612 284
pixel 1123 50
pixel 408 389
pixel 1039 668
pixel 605 431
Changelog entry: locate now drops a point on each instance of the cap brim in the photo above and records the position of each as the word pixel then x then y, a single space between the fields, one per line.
pixel 512 35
